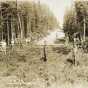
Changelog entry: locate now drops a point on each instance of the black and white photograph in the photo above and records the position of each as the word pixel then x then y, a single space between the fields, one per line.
pixel 43 43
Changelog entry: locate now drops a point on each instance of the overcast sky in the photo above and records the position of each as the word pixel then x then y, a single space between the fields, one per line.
pixel 58 7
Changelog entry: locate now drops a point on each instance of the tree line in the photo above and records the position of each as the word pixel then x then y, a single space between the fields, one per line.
pixel 76 20
pixel 25 19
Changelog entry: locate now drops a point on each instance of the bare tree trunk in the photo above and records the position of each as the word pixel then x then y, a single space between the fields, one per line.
pixel 75 49
pixel 84 30
pixel 8 32
pixel 25 25
pixel 44 57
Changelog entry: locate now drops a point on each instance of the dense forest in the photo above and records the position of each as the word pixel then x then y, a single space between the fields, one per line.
pixel 25 20
pixel 76 20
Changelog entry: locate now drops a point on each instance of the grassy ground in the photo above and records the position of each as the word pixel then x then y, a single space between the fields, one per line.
pixel 23 68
